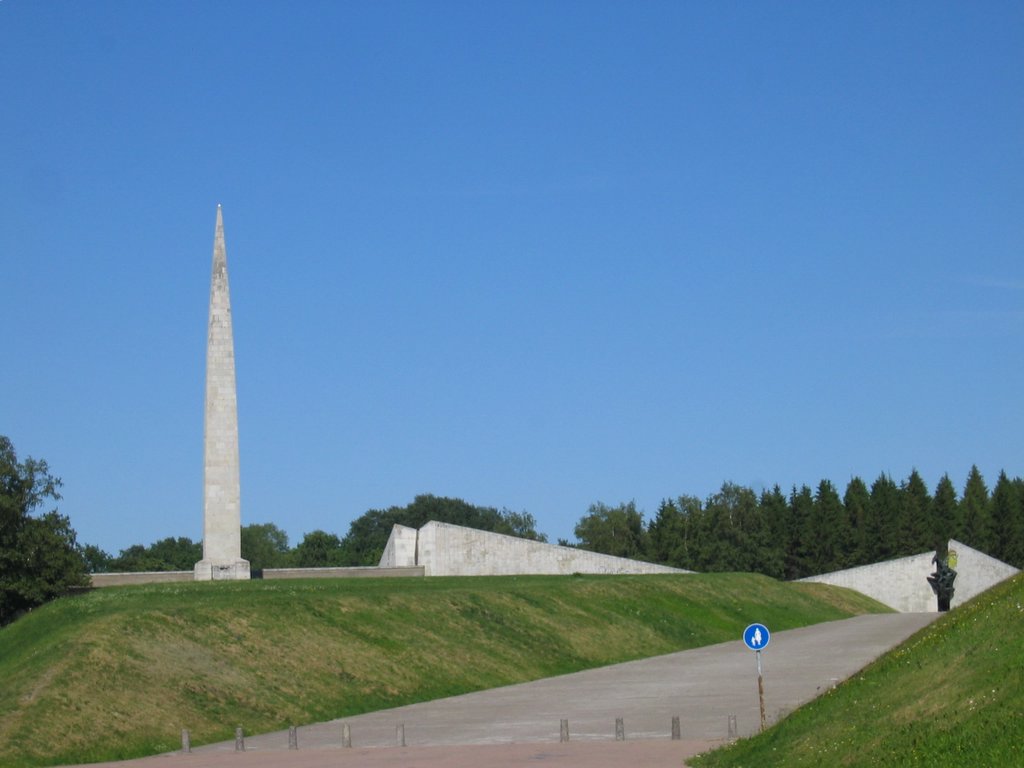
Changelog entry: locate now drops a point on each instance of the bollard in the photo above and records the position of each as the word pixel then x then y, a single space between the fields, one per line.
pixel 675 728
pixel 733 731
pixel 346 736
pixel 400 734
pixel 186 741
pixel 293 737
pixel 564 731
pixel 620 730
pixel 239 740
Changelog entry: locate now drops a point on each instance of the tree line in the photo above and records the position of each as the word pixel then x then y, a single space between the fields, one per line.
pixel 808 532
pixel 784 535
pixel 265 545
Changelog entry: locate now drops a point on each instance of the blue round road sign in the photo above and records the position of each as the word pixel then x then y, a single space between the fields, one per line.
pixel 756 636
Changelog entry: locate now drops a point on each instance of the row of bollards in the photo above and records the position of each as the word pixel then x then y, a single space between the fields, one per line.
pixel 346 733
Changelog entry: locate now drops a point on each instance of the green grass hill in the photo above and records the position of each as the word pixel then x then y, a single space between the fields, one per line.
pixel 953 694
pixel 117 673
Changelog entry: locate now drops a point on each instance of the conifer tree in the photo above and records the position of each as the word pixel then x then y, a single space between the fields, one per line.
pixel 856 501
pixel 879 530
pixel 913 532
pixel 801 503
pixel 977 513
pixel 775 511
pixel 666 533
pixel 1008 520
pixel 946 523
pixel 825 529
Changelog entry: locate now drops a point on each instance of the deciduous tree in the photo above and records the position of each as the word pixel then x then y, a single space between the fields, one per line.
pixel 39 556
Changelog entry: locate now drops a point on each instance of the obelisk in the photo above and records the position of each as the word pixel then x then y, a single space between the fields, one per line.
pixel 222 518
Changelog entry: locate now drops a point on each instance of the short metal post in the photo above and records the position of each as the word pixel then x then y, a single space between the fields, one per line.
pixel 239 740
pixel 400 734
pixel 293 737
pixel 186 741
pixel 733 730
pixel 346 735
pixel 564 731
pixel 675 728
pixel 620 730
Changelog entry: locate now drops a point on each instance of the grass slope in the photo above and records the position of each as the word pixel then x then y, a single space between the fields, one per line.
pixel 951 695
pixel 118 672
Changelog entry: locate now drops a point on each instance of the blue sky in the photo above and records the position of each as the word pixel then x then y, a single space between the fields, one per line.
pixel 533 254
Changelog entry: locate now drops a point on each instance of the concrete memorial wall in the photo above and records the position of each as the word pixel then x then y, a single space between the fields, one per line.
pixel 442 549
pixel 902 584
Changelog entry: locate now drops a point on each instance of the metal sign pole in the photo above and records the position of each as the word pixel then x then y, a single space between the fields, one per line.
pixel 756 637
pixel 760 690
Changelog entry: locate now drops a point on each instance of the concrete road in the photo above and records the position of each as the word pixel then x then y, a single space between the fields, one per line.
pixel 520 724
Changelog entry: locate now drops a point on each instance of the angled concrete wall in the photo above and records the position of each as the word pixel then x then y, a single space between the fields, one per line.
pixel 903 584
pixel 400 551
pixel 975 572
pixel 452 550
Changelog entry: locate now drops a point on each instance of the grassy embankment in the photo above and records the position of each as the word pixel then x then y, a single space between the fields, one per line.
pixel 117 673
pixel 951 695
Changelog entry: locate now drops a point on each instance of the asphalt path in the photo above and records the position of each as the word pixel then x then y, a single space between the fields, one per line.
pixel 706 688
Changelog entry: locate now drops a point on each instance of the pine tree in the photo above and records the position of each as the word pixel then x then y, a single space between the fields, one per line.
pixel 946 523
pixel 665 533
pixel 913 532
pixel 775 512
pixel 879 528
pixel 825 529
pixel 977 513
pixel 856 501
pixel 801 504
pixel 1008 521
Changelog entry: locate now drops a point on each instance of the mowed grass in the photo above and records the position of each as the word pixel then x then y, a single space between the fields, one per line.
pixel 119 672
pixel 951 695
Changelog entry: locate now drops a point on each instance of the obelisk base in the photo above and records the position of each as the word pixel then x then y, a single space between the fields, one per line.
pixel 207 570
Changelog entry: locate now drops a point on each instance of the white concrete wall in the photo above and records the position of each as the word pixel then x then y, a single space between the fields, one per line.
pixel 452 550
pixel 400 551
pixel 903 584
pixel 976 572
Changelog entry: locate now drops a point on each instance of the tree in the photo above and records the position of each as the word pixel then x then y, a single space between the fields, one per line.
pixel 914 524
pixel 855 501
pixel 264 545
pixel 946 523
pixel 319 549
pixel 879 528
pixel 615 531
pixel 775 511
pixel 826 530
pixel 740 539
pixel 170 554
pixel 976 513
pixel 39 556
pixel 96 560
pixel 368 534
pixel 801 503
pixel 1008 520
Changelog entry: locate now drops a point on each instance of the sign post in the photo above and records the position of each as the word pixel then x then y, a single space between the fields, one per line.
pixel 756 637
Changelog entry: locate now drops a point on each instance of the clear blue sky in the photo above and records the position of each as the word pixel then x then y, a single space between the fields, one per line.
pixel 530 254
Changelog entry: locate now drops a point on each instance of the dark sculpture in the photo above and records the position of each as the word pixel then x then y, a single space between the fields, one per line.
pixel 942 582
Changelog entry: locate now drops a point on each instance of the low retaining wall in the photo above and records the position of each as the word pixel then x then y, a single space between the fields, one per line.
pixel 367 571
pixel 145 577
pixel 100 580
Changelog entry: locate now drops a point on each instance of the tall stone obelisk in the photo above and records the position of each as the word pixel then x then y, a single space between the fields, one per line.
pixel 222 518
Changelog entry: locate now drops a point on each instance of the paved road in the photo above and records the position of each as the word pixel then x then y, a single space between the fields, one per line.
pixel 520 724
